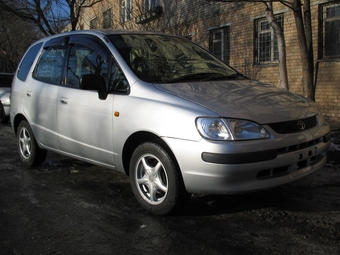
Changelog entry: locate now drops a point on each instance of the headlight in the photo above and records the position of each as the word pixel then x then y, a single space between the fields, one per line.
pixel 230 129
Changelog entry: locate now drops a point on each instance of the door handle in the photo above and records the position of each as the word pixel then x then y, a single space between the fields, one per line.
pixel 64 100
pixel 29 93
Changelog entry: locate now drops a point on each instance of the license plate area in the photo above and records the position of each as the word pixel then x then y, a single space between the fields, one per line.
pixel 306 157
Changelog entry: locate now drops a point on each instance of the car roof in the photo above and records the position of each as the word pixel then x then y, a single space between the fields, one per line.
pixel 100 33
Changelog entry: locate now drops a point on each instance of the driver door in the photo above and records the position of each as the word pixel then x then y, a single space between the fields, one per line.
pixel 85 121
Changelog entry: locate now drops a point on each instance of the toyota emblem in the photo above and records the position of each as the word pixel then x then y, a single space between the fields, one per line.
pixel 301 125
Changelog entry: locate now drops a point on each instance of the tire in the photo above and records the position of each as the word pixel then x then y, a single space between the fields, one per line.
pixel 29 151
pixel 3 117
pixel 156 180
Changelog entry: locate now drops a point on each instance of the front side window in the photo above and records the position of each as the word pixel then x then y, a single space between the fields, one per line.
pixel 266 49
pixel 149 4
pixel 118 82
pixel 331 30
pixel 50 66
pixel 125 10
pixel 107 19
pixel 83 60
pixel 220 43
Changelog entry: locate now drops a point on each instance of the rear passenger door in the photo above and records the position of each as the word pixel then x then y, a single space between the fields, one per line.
pixel 41 92
pixel 85 121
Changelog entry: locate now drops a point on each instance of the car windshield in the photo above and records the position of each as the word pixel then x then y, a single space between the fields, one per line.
pixel 166 59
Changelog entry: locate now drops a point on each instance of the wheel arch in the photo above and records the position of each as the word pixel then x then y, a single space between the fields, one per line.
pixel 137 139
pixel 16 121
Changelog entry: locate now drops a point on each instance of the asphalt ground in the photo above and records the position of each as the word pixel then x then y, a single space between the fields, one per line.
pixel 66 206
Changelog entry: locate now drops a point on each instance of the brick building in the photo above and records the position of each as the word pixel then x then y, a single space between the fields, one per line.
pixel 239 34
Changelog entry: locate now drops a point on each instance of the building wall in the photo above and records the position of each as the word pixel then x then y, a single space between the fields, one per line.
pixel 196 18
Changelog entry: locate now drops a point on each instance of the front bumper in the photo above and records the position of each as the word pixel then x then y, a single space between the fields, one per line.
pixel 246 166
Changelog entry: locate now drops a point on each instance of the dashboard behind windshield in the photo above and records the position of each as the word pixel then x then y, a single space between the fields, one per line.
pixel 162 58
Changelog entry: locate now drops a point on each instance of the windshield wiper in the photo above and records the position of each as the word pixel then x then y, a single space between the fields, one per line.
pixel 221 77
pixel 202 77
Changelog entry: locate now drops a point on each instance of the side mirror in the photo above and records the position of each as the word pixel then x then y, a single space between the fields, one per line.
pixel 94 82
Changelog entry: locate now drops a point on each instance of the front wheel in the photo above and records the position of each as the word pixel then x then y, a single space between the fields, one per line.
pixel 29 151
pixel 156 180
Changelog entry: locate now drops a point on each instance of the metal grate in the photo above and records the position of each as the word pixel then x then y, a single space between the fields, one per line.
pixel 294 126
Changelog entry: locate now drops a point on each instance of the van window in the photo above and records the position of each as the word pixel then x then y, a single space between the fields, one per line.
pixel 83 60
pixel 50 66
pixel 118 82
pixel 27 62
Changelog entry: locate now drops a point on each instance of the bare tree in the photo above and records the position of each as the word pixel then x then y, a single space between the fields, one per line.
pixel 14 41
pixel 50 16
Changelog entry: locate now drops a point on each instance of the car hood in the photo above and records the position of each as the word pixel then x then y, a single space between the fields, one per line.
pixel 245 99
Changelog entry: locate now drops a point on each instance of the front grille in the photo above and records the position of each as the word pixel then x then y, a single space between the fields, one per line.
pixel 294 126
pixel 300 146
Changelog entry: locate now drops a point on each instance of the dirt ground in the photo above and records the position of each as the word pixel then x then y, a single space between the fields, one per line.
pixel 69 207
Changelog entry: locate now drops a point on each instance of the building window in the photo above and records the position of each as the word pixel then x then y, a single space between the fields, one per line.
pixel 266 49
pixel 94 23
pixel 331 30
pixel 149 5
pixel 219 43
pixel 107 19
pixel 125 10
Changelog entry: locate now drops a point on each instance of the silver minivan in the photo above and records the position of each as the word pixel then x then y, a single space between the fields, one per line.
pixel 164 111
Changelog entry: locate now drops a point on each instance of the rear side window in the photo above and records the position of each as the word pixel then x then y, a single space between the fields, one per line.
pixel 28 61
pixel 50 66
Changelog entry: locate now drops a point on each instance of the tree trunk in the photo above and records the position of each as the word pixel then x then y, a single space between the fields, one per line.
pixel 307 63
pixel 281 46
pixel 309 38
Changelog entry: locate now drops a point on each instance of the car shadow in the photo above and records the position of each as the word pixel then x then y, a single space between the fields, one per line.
pixel 291 197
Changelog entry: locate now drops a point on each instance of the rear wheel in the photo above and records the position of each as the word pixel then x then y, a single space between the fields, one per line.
pixel 156 180
pixel 29 151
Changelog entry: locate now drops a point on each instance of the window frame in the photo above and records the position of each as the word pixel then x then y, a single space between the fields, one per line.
pixel 264 55
pixel 325 46
pixel 125 10
pixel 94 20
pixel 224 41
pixel 148 5
pixel 107 19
